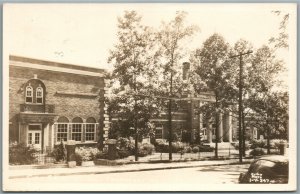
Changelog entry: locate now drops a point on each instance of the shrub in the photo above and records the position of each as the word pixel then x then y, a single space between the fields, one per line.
pixel 145 149
pixel 122 143
pixel 195 149
pixel 257 152
pixel 85 154
pixel 177 147
pixel 125 148
pixel 59 152
pixel 142 153
pixel 261 143
pixel 123 153
pixel 149 148
pixel 102 154
pixel 187 149
pixel 275 143
pixel 206 148
pixel 126 144
pixel 21 154
pixel 236 145
pixel 163 147
pixel 175 137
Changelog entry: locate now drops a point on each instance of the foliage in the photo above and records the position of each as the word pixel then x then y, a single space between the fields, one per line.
pixel 186 136
pixel 268 108
pixel 123 153
pixel 59 152
pixel 261 143
pixel 247 145
pixel 276 143
pixel 187 149
pixel 281 41
pixel 21 154
pixel 206 148
pixel 196 149
pixel 132 77
pixel 173 36
pixel 86 153
pixel 257 152
pixel 163 147
pixel 102 154
pixel 126 148
pixel 124 144
pixel 213 67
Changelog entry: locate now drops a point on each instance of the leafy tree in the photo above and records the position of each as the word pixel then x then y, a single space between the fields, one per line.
pixel 263 73
pixel 133 64
pixel 212 66
pixel 271 115
pixel 281 41
pixel 171 38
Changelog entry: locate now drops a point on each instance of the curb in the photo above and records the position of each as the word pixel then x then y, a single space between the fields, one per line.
pixel 123 171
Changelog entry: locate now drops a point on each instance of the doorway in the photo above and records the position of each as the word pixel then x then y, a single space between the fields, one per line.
pixel 34 135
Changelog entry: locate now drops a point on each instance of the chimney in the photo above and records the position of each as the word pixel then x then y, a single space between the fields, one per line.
pixel 185 70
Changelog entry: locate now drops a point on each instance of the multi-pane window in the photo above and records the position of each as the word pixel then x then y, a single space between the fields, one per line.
pixel 62 132
pixel 159 132
pixel 39 95
pixel 37 138
pixel 90 132
pixel 28 94
pixel 76 132
pixel 29 138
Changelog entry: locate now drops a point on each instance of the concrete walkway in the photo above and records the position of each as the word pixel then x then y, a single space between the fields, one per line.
pixel 63 171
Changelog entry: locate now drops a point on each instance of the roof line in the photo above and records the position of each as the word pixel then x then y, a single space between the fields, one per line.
pixel 55 64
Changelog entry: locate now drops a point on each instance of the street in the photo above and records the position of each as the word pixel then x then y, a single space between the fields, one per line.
pixel 174 179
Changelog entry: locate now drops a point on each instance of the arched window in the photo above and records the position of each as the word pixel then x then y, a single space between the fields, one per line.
pixel 77 129
pixel 90 130
pixel 39 95
pixel 91 120
pixel 35 91
pixel 62 120
pixel 62 129
pixel 77 120
pixel 29 94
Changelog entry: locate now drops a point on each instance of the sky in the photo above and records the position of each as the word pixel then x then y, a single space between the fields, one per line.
pixel 83 34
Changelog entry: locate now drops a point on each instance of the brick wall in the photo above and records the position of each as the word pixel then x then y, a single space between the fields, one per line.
pixel 61 89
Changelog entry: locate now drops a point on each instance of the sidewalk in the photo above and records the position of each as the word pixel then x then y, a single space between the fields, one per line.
pixel 62 171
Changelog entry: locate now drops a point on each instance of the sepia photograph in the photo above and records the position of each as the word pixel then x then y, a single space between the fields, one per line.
pixel 149 97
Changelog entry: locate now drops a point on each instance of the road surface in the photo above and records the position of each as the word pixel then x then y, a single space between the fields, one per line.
pixel 173 179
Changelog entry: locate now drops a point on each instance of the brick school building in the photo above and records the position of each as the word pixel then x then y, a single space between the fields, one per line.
pixel 50 102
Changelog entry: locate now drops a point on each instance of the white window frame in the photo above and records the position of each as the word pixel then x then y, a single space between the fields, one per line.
pixel 42 95
pixel 29 88
pixel 57 132
pixel 93 133
pixel 81 131
pixel 70 132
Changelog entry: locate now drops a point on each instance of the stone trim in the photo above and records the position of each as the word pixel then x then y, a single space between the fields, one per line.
pixel 56 69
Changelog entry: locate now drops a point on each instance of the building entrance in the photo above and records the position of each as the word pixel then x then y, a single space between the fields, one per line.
pixel 34 135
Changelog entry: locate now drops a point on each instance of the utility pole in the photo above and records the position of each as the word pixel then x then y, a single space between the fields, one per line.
pixel 244 134
pixel 241 134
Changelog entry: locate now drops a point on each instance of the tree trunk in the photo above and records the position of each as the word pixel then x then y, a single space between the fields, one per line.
pixel 244 135
pixel 268 140
pixel 217 127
